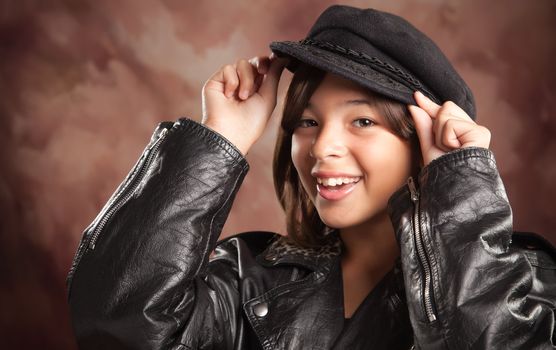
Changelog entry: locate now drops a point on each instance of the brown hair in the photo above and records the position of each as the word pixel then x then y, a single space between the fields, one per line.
pixel 304 226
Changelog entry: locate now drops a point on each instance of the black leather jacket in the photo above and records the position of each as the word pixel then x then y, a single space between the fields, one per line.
pixel 144 277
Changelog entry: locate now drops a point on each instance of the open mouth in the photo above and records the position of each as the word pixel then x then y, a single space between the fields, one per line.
pixel 333 189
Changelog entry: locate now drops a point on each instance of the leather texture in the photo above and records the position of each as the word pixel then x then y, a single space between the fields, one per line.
pixel 144 276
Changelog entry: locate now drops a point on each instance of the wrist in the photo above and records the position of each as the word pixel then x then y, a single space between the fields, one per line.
pixel 232 137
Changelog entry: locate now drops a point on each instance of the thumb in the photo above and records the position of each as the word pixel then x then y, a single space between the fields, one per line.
pixel 423 126
pixel 269 86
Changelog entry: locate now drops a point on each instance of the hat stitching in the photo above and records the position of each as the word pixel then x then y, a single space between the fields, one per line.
pixel 372 60
pixel 354 66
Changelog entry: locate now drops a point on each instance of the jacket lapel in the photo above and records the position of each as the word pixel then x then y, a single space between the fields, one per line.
pixel 305 313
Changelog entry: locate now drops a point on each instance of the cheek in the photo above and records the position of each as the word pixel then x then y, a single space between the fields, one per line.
pixel 399 157
pixel 390 164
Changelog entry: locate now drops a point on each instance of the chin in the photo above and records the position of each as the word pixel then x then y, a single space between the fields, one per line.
pixel 342 219
pixel 337 221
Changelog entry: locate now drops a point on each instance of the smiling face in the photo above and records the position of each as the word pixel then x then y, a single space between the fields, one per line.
pixel 348 159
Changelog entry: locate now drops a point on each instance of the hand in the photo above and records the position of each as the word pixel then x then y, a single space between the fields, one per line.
pixel 445 128
pixel 239 99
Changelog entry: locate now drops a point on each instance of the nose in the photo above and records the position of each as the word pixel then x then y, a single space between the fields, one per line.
pixel 328 143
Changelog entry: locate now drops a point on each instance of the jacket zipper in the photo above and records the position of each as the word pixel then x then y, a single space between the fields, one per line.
pixel 125 194
pixel 428 293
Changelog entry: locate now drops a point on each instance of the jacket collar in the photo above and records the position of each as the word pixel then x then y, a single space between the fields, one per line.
pixel 284 252
pixel 300 302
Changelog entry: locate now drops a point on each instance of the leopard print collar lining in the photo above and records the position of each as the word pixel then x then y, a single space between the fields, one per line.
pixel 283 251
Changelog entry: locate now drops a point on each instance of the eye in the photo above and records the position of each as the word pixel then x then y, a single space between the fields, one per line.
pixel 363 123
pixel 306 123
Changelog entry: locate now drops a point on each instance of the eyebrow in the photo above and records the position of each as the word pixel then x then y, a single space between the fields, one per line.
pixel 359 102
pixel 356 102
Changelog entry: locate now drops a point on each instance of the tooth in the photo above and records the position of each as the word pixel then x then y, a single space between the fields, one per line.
pixel 336 181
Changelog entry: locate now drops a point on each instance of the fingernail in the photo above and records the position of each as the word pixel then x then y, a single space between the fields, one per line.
pixel 422 95
pixel 243 94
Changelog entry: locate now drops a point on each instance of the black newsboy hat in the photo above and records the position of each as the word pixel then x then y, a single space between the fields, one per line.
pixel 380 51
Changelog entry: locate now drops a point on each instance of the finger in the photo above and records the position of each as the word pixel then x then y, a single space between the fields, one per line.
pixel 258 81
pixel 269 85
pixel 426 104
pixel 230 79
pixel 455 111
pixel 449 113
pixel 461 133
pixel 447 139
pixel 261 63
pixel 423 126
pixel 441 132
pixel 246 73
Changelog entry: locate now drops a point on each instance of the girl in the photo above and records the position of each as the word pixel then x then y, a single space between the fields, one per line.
pixel 399 229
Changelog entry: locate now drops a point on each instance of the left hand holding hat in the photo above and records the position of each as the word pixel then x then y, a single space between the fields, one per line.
pixel 239 99
pixel 444 128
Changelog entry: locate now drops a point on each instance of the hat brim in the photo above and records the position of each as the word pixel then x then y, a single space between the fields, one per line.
pixel 376 81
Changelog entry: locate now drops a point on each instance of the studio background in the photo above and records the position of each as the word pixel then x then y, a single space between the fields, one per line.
pixel 83 84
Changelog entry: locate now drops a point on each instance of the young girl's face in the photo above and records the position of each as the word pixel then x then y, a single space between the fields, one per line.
pixel 347 158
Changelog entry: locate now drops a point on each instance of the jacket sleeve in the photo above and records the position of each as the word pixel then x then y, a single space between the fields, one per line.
pixel 465 287
pixel 137 281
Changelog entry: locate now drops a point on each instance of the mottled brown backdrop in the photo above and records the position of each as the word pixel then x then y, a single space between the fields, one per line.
pixel 83 83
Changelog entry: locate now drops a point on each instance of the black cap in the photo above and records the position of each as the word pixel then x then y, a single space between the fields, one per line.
pixel 380 51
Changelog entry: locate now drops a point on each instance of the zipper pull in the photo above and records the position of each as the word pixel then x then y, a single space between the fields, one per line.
pixel 155 140
pixel 160 129
pixel 162 133
pixel 413 189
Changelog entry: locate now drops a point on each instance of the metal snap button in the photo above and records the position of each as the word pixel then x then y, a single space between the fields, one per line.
pixel 260 309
